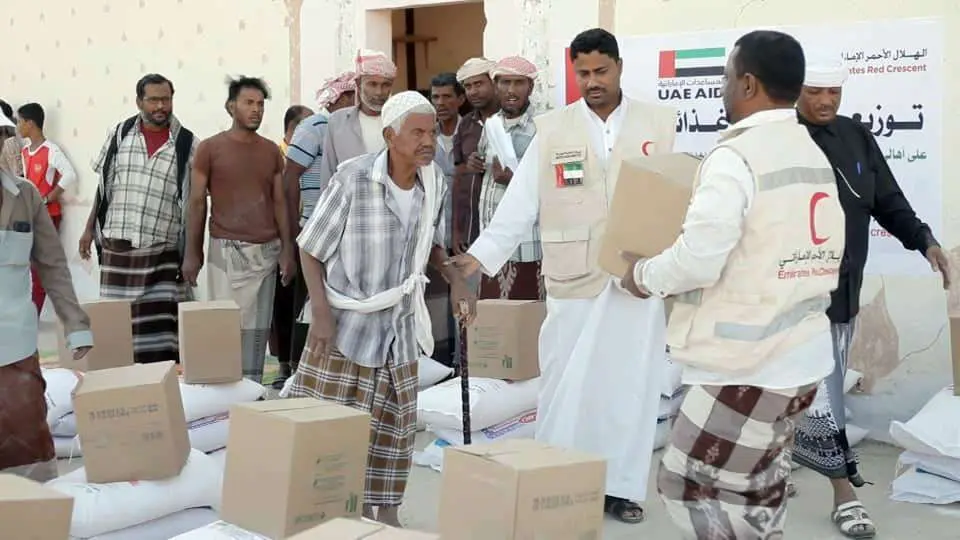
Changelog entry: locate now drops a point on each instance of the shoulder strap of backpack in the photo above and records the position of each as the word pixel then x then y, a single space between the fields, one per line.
pixel 183 145
pixel 106 171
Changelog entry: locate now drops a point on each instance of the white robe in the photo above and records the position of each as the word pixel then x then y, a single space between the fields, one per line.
pixel 602 360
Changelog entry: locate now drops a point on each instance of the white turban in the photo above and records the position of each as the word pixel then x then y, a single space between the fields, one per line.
pixel 474 67
pixel 401 104
pixel 825 71
pixel 375 63
pixel 6 122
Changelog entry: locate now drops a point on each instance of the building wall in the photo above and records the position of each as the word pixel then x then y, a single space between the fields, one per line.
pixel 82 63
pixel 458 29
pixel 919 363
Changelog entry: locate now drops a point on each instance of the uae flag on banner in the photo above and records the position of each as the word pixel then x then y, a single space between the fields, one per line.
pixel 692 63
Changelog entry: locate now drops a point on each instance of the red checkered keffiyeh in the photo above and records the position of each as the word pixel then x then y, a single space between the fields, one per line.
pixel 335 87
pixel 516 66
pixel 371 63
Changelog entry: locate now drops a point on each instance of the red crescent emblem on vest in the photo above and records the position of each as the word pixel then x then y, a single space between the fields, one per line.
pixel 814 201
pixel 644 146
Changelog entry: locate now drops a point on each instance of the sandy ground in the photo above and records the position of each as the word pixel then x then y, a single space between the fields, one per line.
pixel 808 517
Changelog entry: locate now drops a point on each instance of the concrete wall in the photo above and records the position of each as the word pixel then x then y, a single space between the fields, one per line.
pixel 903 341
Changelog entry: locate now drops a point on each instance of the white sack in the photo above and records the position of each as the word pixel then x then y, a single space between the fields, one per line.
pixel 672 377
pixel 430 372
pixel 219 530
pixel 163 528
pixel 934 430
pixel 939 466
pixel 491 401
pixel 851 379
pixel 669 407
pixel 206 434
pixel 65 426
pixel 662 436
pixel 918 487
pixel 202 400
pixel 522 426
pixel 856 434
pixel 103 508
pixel 60 385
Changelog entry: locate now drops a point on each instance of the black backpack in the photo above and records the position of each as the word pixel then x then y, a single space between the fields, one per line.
pixel 183 144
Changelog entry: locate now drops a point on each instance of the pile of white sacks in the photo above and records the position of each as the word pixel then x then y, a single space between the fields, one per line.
pixel 502 410
pixel 928 471
pixel 149 510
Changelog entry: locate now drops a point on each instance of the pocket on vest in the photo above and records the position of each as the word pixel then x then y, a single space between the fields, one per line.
pixel 566 253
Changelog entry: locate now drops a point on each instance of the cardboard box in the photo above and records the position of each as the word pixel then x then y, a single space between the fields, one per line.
pixel 112 326
pixel 520 489
pixel 131 423
pixel 350 529
pixel 955 353
pixel 29 511
pixel 294 464
pixel 503 340
pixel 649 205
pixel 210 342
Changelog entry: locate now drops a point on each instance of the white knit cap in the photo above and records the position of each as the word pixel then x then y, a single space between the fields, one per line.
pixel 402 103
pixel 825 71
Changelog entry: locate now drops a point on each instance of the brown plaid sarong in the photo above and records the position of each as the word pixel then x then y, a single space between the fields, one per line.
pixel 26 446
pixel 389 394
pixel 724 474
pixel 149 278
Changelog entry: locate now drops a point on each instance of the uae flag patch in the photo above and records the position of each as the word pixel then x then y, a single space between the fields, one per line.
pixel 569 174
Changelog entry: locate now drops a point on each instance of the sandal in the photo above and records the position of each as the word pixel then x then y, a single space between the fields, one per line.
pixel 853 521
pixel 623 510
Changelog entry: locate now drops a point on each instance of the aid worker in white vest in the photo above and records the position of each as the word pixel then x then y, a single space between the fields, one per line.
pixel 752 274
pixel 602 351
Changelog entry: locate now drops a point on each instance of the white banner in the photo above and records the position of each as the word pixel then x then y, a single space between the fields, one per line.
pixel 895 89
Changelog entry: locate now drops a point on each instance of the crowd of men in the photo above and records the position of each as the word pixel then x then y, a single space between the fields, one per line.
pixel 339 224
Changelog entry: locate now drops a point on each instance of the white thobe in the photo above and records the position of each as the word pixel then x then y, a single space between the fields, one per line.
pixel 602 359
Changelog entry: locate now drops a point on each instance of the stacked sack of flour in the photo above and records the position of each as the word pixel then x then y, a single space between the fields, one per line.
pixel 672 392
pixel 928 471
pixel 151 435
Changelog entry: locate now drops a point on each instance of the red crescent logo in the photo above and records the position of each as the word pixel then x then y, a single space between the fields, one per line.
pixel 814 201
pixel 643 148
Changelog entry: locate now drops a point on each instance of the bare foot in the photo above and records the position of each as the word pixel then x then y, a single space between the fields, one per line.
pixel 389 515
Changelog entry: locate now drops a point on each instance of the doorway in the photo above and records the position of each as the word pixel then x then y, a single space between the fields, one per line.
pixel 434 39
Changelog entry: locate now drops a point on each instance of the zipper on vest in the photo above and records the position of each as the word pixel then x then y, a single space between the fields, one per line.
pixel 847 182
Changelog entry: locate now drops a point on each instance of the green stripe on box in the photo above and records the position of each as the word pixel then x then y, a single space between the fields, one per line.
pixel 574 166
pixel 715 52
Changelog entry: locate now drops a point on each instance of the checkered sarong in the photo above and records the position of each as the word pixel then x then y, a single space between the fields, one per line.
pixel 389 394
pixel 724 475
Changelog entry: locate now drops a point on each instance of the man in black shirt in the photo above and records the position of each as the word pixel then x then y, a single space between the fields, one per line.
pixel 867 189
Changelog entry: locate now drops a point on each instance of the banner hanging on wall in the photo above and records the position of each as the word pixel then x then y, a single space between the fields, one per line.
pixel 895 89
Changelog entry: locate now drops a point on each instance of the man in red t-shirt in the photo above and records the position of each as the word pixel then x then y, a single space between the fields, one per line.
pixel 48 169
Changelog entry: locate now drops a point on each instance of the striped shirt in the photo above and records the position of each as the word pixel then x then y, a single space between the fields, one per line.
pixel 521 131
pixel 144 208
pixel 306 149
pixel 357 233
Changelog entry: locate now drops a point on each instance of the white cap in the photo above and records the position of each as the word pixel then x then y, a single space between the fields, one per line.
pixel 825 71
pixel 6 122
pixel 402 103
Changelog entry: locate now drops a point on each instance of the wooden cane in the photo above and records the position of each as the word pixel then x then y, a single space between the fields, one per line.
pixel 463 308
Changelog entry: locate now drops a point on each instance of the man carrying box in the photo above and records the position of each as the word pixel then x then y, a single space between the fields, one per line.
pixel 27 236
pixel 364 253
pixel 752 273
pixel 602 351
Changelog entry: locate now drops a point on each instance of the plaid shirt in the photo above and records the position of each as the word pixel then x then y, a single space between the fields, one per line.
pixel 144 208
pixel 356 232
pixel 521 132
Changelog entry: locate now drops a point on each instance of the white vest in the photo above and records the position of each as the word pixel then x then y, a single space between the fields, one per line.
pixel 775 287
pixel 573 218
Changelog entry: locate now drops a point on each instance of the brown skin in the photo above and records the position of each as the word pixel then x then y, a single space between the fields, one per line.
pixel 482 95
pixel 155 107
pixel 514 92
pixel 247 113
pixel 374 92
pixel 408 149
pixel 447 104
pixel 598 78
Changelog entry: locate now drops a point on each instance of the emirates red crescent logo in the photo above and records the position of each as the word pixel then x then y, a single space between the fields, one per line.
pixel 814 201
pixel 645 147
